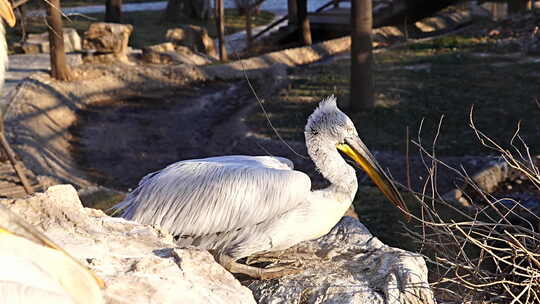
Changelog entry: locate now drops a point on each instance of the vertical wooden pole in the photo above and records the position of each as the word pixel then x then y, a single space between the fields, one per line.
pixel 292 13
pixel 113 11
pixel 59 68
pixel 305 31
pixel 220 24
pixel 19 170
pixel 361 56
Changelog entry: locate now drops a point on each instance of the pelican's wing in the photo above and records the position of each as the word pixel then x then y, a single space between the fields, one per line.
pixel 218 194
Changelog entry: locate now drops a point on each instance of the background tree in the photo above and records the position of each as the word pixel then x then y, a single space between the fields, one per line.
pixel 179 9
pixel 59 68
pixel 113 11
pixel 361 56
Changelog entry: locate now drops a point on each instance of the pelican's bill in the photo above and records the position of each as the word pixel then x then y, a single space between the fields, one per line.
pixel 357 151
pixel 6 12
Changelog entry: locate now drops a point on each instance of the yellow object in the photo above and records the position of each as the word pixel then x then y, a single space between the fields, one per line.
pixel 375 174
pixel 6 12
pixel 23 245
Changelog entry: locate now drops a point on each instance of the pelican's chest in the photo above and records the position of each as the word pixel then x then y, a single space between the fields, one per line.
pixel 325 214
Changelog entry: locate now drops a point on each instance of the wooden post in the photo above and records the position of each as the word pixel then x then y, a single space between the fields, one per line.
pixel 305 31
pixel 113 11
pixel 17 166
pixel 59 68
pixel 293 13
pixel 220 25
pixel 361 56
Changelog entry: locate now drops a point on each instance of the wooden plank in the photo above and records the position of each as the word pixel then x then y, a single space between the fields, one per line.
pixel 330 20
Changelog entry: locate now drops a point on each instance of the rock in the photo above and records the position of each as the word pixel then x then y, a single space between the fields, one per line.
pixel 349 265
pixel 139 264
pixel 108 38
pixel 169 53
pixel 39 43
pixel 194 37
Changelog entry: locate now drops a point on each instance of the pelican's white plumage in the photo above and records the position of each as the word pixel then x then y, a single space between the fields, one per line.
pixel 205 197
pixel 241 205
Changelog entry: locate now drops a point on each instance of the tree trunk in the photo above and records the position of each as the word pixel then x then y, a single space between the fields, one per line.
pixel 293 13
pixel 59 68
pixel 305 31
pixel 113 11
pixel 220 24
pixel 361 56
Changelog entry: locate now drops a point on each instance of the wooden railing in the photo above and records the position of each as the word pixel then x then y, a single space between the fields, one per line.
pixel 335 3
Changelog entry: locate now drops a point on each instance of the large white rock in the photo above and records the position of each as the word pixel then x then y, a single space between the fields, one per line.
pixel 349 266
pixel 139 264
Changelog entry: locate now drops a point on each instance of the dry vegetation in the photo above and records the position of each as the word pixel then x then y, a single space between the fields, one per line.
pixel 489 253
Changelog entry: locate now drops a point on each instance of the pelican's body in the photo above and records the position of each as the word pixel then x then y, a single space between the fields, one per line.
pixel 233 186
pixel 241 205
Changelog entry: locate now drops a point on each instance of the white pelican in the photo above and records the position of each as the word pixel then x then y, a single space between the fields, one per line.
pixel 237 205
pixel 32 268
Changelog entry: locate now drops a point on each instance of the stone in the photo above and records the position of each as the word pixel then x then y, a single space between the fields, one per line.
pixel 139 264
pixel 39 43
pixel 169 53
pixel 108 38
pixel 194 37
pixel 349 265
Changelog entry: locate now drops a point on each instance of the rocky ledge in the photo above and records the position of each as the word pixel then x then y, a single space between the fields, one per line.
pixel 141 264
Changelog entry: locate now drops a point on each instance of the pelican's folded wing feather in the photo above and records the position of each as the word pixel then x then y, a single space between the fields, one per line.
pixel 218 194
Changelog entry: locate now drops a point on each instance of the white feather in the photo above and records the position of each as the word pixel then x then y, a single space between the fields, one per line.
pixel 216 195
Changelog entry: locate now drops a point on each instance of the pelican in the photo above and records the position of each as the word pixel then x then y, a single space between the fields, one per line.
pixel 33 268
pixel 237 206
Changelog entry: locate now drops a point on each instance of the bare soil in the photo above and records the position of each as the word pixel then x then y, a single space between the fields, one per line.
pixel 119 141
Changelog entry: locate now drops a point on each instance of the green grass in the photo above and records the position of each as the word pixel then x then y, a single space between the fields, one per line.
pixel 148 28
pixel 448 80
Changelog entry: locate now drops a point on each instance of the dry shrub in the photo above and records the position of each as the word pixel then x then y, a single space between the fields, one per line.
pixel 489 253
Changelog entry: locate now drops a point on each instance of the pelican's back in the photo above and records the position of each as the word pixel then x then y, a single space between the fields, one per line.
pixel 217 196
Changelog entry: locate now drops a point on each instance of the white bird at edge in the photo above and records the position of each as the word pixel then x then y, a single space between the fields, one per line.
pixel 33 268
pixel 237 206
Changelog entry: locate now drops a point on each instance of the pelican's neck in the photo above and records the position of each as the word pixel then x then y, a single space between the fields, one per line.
pixel 333 167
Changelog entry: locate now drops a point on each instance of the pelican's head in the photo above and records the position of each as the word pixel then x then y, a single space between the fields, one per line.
pixel 6 12
pixel 328 125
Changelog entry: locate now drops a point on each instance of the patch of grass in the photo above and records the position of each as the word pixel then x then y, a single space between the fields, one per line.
pixel 415 85
pixel 148 29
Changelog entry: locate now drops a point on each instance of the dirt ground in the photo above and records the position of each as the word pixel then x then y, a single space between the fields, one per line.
pixel 119 141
